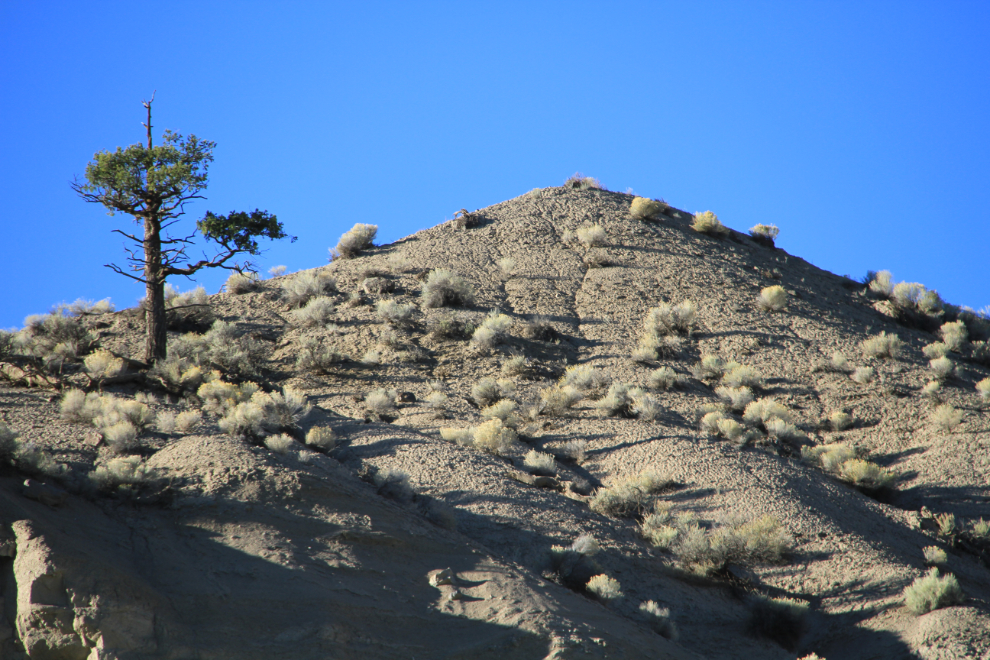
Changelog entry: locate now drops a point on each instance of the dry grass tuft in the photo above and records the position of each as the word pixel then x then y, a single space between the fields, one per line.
pixel 882 346
pixel 772 299
pixel 642 208
pixel 445 288
pixel 355 240
pixel 708 223
pixel 932 592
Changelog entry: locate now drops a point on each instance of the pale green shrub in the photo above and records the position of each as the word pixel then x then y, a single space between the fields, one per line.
pixel 942 367
pixel 583 377
pixel 219 396
pixel 591 236
pixel 946 418
pixel 504 410
pixel 739 375
pixel 862 375
pixel 954 335
pixel 737 397
pixel 604 588
pixel 882 346
pixel 907 294
pixel 317 312
pixel 710 367
pixel 165 422
pixel 946 524
pixel 574 450
pixel 828 457
pixel 866 475
pixel 380 401
pixel 445 288
pixel 356 239
pixel 277 271
pixel 178 373
pixel 371 357
pixel 642 208
pixel 300 288
pixel 282 444
pixel 981 529
pixel 772 299
pixel 708 223
pixel 494 437
pixel 840 420
pixel 710 421
pixel 315 356
pixel 733 431
pixel 459 436
pixel 395 312
pixel 704 551
pixel 437 400
pixel 102 365
pixel 516 365
pixel 931 592
pixel 125 470
pixel 934 555
pixel 121 436
pixel 778 428
pixel 540 463
pixel 244 419
pixel 936 350
pixel 80 407
pixel 667 319
pixel 507 265
pixel 188 421
pixel 766 233
pixel 321 438
pixel 931 389
pixel 580 182
pixel 239 283
pixel 557 399
pixel 758 413
pixel 659 619
pixel 628 495
pixel 644 406
pixel 618 400
pixel 283 410
pixel 839 362
pixel 882 284
pixel 492 330
pixel 394 484
pixel 486 392
pixel 983 388
pixel 664 378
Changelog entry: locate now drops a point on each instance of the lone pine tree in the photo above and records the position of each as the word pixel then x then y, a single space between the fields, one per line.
pixel 153 185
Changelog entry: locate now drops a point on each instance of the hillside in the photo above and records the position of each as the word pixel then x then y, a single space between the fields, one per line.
pixel 230 540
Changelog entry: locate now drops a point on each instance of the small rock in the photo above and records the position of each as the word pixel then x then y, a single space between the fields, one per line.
pixel 446 576
pixel 455 594
pixel 93 438
pixel 407 397
pixel 44 493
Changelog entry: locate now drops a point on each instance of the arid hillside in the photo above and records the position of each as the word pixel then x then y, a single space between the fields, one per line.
pixel 569 425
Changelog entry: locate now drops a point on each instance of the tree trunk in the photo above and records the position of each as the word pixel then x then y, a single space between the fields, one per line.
pixel 156 340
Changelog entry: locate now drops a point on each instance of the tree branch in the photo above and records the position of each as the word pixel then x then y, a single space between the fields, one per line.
pixel 115 268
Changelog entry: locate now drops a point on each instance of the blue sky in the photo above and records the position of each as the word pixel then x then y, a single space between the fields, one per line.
pixel 860 129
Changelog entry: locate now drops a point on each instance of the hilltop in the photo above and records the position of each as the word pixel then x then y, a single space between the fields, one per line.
pixel 328 532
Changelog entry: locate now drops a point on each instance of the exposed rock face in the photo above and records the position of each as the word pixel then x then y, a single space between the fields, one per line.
pixel 66 611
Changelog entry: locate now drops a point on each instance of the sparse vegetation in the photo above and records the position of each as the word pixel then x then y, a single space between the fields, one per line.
pixel 765 234
pixel 395 313
pixel 954 335
pixel 779 619
pixel 946 418
pixel 710 367
pixel 317 312
pixel 241 283
pixel 983 389
pixel 540 463
pixel 866 476
pixel 445 288
pixel 630 495
pixel 932 592
pixel 507 265
pixel 314 355
pixel 580 182
pixel 737 397
pixel 935 350
pixel 840 420
pixel 772 299
pixel 604 588
pixel 862 375
pixel 591 236
pixel 356 239
pixel 942 368
pixel 659 619
pixel 492 437
pixel 642 208
pixel 301 287
pixel 934 555
pixel 882 346
pixel 708 223
pixel 492 330
pixel 664 378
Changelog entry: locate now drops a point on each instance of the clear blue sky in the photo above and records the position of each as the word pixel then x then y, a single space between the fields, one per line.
pixel 860 128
